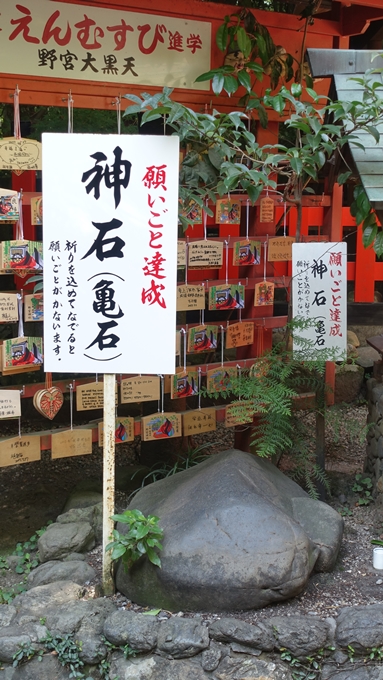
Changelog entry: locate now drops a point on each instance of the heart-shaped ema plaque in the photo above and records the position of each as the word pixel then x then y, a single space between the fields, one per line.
pixel 20 154
pixel 48 402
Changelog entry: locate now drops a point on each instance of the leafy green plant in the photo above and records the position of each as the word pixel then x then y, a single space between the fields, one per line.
pixel 351 653
pixel 363 486
pixel 309 668
pixel 223 154
pixel 67 650
pixel 26 652
pixel 129 652
pixel 3 564
pixel 8 594
pixel 376 654
pixel 27 562
pixel 142 538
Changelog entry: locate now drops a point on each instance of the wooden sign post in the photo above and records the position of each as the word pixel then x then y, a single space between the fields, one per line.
pixel 108 479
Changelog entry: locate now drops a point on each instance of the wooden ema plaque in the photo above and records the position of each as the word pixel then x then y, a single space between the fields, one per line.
pixel 264 294
pixel 239 413
pixel 280 249
pixel 18 450
pixel 123 431
pixel 219 379
pixel 266 210
pixel 20 154
pixel 190 297
pixel 181 254
pixel 239 334
pixel 91 396
pixel 161 426
pixel 140 388
pixel 21 355
pixel 68 443
pixel 33 307
pixel 199 421
pixel 8 308
pixel 184 384
pixel 10 404
pixel 205 254
pixel 36 210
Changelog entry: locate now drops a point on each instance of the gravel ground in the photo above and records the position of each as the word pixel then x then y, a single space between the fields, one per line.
pixel 32 494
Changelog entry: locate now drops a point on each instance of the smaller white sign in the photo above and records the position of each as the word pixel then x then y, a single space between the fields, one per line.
pixel 320 296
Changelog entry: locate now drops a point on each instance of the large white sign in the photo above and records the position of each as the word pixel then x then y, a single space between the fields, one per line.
pixel 110 252
pixel 82 42
pixel 320 295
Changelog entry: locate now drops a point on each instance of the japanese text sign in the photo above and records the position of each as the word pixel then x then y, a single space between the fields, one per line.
pixel 320 295
pixel 66 40
pixel 110 243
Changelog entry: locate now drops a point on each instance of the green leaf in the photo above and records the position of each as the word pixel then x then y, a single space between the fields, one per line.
pixel 312 94
pixel 244 42
pixel 244 79
pixel 378 244
pixel 205 76
pixel 118 552
pixel 230 84
pixel 374 132
pixel 153 557
pixel 215 156
pixel 222 36
pixel 296 89
pixel 296 165
pixel 278 104
pixel 253 192
pixel 369 234
pixel 152 612
pixel 218 83
pixel 343 177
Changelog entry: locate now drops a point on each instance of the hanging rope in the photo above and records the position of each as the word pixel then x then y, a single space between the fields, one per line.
pixel 20 225
pixel 16 114
pixel 118 109
pixel 70 112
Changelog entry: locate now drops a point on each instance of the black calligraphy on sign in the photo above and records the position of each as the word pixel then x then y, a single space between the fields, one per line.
pixel 72 291
pixel 100 242
pixel 115 177
pixel 107 246
pixel 55 250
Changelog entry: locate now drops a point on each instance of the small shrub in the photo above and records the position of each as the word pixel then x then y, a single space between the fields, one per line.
pixel 142 538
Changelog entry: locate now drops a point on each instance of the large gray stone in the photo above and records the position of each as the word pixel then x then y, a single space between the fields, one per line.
pixel 49 572
pixel 60 540
pixel 366 356
pixel 348 382
pixel 37 600
pixel 82 498
pixel 73 617
pixel 155 668
pixel 238 534
pixel 91 514
pixel 13 637
pixel 248 668
pixel 7 614
pixel 360 627
pixel 139 631
pixel 352 673
pixel 234 630
pixel 301 635
pixel 182 638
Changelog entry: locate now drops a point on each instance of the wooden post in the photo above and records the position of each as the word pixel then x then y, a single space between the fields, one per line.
pixel 108 480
